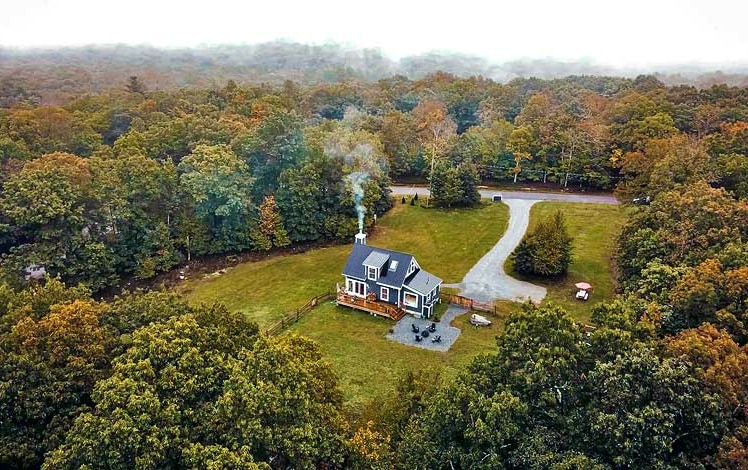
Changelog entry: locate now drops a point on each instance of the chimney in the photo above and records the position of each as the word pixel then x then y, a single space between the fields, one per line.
pixel 360 238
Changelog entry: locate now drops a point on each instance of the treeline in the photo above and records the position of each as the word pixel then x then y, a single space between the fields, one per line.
pixel 147 381
pixel 133 181
pixel 56 74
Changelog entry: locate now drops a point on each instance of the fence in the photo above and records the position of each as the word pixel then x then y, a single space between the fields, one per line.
pixel 292 317
pixel 469 303
pixel 489 308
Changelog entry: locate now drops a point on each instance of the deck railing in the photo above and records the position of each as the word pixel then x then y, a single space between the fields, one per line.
pixel 371 306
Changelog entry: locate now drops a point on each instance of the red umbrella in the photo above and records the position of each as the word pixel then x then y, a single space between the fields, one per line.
pixel 582 285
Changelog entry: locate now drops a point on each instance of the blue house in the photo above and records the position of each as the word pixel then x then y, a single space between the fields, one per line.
pixel 392 279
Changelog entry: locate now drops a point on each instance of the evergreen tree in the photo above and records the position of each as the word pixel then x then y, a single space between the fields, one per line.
pixel 546 251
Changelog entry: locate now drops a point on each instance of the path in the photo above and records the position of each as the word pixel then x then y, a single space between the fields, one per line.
pixel 531 195
pixel 403 333
pixel 487 281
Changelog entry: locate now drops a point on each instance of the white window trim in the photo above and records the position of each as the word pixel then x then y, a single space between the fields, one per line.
pixel 352 288
pixel 371 270
pixel 410 304
pixel 384 294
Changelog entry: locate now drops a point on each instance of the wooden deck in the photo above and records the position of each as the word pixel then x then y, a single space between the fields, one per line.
pixel 372 306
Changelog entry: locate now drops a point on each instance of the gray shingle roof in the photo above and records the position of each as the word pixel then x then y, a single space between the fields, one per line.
pixel 423 282
pixel 354 267
pixel 376 259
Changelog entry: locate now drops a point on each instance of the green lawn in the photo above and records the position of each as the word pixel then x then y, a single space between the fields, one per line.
pixel 594 228
pixel 368 364
pixel 445 242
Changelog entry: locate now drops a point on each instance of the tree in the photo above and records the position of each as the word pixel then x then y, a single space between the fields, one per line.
pixel 520 142
pixel 48 368
pixel 275 144
pixel 135 85
pixel 270 232
pixel 547 250
pixel 435 129
pixel 53 207
pixel 219 184
pixel 649 412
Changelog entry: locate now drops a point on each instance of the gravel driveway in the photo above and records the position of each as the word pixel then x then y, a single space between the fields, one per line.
pixel 487 281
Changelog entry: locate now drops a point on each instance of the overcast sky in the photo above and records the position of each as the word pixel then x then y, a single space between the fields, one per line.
pixel 621 33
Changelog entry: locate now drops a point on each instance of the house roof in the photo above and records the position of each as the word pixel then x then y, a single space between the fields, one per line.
pixel 423 282
pixel 376 259
pixel 354 267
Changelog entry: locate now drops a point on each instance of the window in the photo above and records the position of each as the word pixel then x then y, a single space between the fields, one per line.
pixel 393 265
pixel 411 300
pixel 372 273
pixel 384 294
pixel 356 287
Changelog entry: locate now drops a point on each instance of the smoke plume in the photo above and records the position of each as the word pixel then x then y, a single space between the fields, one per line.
pixel 356 180
pixel 361 162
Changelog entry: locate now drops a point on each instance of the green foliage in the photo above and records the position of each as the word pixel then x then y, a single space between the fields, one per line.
pixel 48 368
pixel 219 184
pixel 455 186
pixel 546 251
pixel 548 398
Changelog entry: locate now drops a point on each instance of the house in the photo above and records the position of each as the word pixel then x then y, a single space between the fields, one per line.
pixel 388 277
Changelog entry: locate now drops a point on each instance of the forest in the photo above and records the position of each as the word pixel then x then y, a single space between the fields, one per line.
pixel 112 182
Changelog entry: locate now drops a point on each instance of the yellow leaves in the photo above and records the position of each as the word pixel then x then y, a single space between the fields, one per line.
pixel 371 444
pixel 69 335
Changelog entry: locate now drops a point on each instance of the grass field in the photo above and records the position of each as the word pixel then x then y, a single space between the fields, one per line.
pixel 445 242
pixel 594 228
pixel 368 364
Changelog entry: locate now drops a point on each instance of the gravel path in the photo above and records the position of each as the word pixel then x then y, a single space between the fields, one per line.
pixel 402 332
pixel 487 281
pixel 531 195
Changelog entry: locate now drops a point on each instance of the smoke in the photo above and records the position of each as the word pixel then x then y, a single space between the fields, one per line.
pixel 361 162
pixel 356 181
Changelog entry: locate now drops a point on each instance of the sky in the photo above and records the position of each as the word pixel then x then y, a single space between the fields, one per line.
pixel 622 33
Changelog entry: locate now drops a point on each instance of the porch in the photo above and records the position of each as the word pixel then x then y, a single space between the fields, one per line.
pixel 372 306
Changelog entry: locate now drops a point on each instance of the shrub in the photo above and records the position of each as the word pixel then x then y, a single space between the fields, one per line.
pixel 546 251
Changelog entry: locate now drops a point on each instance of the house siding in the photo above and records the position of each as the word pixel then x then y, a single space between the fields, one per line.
pixel 391 298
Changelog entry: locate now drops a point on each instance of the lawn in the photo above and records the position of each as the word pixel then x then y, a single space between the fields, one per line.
pixel 445 242
pixel 594 228
pixel 368 364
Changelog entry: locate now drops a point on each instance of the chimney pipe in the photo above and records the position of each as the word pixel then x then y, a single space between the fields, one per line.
pixel 360 238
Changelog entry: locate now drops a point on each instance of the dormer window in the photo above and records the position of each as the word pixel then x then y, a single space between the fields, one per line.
pixel 373 273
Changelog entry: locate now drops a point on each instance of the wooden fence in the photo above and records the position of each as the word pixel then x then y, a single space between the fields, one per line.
pixel 489 308
pixel 292 317
pixel 469 303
